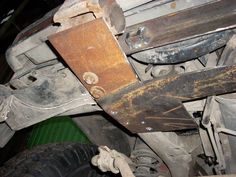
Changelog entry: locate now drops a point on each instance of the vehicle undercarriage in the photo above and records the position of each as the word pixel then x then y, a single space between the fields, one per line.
pixel 155 79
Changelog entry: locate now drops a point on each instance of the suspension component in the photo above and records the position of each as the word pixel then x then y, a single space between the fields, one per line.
pixel 148 164
pixel 111 160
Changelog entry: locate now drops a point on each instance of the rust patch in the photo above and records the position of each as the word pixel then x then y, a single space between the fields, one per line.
pixel 157 104
pixel 91 47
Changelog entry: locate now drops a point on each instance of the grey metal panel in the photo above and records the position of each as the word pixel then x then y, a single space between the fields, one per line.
pixel 40 54
pixel 228 110
pixel 159 8
pixel 5 134
pixel 126 5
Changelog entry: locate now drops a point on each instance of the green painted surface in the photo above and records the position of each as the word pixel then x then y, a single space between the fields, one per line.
pixel 57 129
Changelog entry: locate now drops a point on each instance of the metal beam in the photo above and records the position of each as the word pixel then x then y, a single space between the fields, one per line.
pixel 157 105
pixel 182 25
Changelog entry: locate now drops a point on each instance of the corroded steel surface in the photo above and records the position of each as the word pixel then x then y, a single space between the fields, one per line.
pixel 189 23
pixel 157 105
pixel 94 55
pixel 91 47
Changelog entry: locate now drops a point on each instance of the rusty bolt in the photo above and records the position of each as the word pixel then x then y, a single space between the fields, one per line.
pixel 90 78
pixel 97 92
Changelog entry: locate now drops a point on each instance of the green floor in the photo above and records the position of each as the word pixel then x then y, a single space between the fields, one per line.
pixel 57 129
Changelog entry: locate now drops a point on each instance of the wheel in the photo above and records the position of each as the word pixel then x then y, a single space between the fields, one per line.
pixel 53 160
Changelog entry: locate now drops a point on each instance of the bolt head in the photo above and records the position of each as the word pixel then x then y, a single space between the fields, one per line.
pixel 90 78
pixel 97 92
pixel 149 128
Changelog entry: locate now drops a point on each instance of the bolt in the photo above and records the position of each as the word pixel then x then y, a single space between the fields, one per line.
pixel 90 78
pixel 163 72
pixel 142 122
pixel 97 92
pixel 149 128
pixel 113 112
pixel 158 71
pixel 34 73
pixel 64 75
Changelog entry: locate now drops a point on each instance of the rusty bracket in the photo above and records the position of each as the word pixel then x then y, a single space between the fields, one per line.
pixel 157 105
pixel 94 55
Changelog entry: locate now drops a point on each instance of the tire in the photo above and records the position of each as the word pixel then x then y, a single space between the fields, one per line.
pixel 53 160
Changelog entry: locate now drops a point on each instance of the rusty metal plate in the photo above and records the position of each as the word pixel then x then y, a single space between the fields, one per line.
pixel 157 105
pixel 197 21
pixel 94 55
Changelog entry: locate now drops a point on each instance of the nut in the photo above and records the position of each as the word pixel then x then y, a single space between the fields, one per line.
pixel 90 78
pixel 97 92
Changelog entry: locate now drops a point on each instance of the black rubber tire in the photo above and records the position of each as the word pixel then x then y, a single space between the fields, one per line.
pixel 53 160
